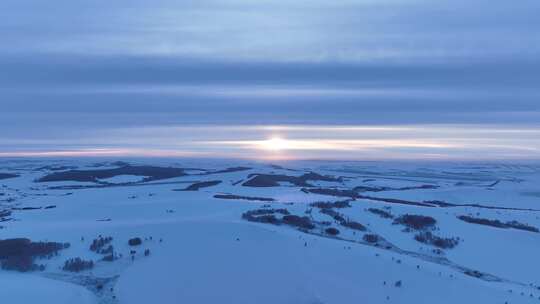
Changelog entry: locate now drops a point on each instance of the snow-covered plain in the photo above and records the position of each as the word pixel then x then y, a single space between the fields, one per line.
pixel 203 251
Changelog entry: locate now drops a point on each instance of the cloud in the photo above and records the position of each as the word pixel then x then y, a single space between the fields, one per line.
pixel 75 70
pixel 273 31
pixel 459 142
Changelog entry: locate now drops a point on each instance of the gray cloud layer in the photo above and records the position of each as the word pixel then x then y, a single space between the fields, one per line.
pixel 95 66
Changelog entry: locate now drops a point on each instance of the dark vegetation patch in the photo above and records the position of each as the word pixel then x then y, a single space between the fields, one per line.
pixel 474 273
pixel 429 238
pixel 55 168
pixel 272 216
pixel 237 182
pixel 77 265
pixel 101 245
pixel 353 225
pixel 332 192
pixel 8 175
pixel 418 187
pixel 268 216
pixel 382 213
pixel 497 223
pixel 312 176
pixel 380 189
pixel 440 203
pixel 269 180
pixel 353 194
pixel 437 203
pixel 264 215
pixel 494 184
pixel 136 241
pixel 333 214
pixel 521 226
pixel 370 189
pixel 20 254
pixel 26 208
pixel 273 180
pixel 241 197
pixel 258 212
pixel 444 204
pixel 4 213
pixel 230 170
pixel 303 222
pixel 265 218
pixel 338 217
pixel 331 231
pixel 370 238
pixel 397 201
pixel 329 205
pixel 416 222
pixel 432 203
pixel 199 185
pixel 151 173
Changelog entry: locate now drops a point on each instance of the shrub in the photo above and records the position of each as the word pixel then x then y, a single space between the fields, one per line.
pixel 334 214
pixel 265 212
pixel 474 273
pixel 4 213
pixel 267 219
pixel 135 241
pixel 301 222
pixel 497 223
pixel 22 263
pixel 482 221
pixel 264 215
pixel 241 197
pixel 332 231
pixel 416 222
pixel 199 185
pixel 77 265
pixel 371 238
pixel 19 254
pixel 98 244
pixel 521 226
pixel 329 205
pixel 431 239
pixel 353 225
pixel 342 221
pixel 381 213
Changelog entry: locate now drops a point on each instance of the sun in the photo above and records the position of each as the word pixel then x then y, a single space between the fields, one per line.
pixel 274 144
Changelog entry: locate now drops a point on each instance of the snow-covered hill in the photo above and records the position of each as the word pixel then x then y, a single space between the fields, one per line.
pixel 250 232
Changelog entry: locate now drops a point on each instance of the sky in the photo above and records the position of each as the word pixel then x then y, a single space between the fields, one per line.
pixel 350 79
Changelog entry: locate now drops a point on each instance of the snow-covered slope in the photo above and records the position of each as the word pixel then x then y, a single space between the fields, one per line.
pixel 252 233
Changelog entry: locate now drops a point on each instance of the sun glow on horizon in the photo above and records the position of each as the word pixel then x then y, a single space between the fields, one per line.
pixel 275 144
pixel 295 142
